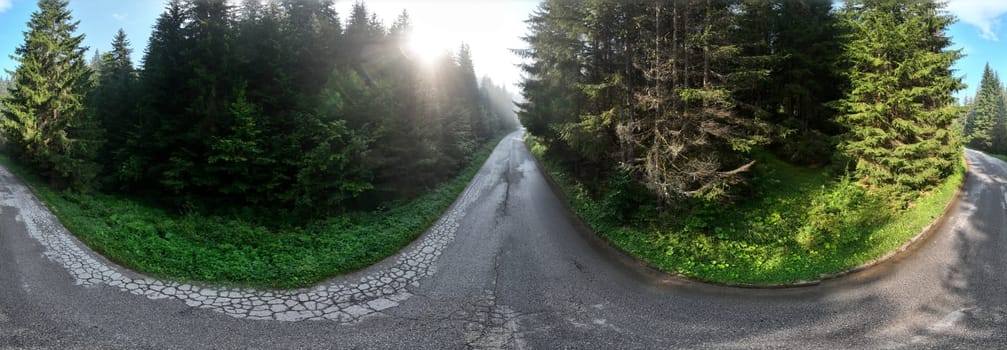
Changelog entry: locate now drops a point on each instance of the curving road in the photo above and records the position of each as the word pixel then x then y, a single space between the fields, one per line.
pixel 508 267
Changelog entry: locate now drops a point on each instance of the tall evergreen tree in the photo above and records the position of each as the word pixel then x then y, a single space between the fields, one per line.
pixel 610 48
pixel 44 121
pixel 454 115
pixel 899 111
pixel 163 91
pixel 263 104
pixel 987 115
pixel 797 43
pixel 406 163
pixel 469 90
pixel 693 137
pixel 500 102
pixel 553 74
pixel 210 67
pixel 658 88
pixel 312 39
pixel 113 101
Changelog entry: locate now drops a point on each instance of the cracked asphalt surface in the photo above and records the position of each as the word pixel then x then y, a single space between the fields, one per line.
pixel 509 267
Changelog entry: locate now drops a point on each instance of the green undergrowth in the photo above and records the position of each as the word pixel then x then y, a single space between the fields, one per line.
pixel 229 250
pixel 798 225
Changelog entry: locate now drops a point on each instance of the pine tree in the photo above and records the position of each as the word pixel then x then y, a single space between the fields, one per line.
pixel 987 115
pixel 237 160
pixel 501 104
pixel 329 170
pixel 799 42
pixel 266 104
pixel 163 97
pixel 652 87
pixel 361 35
pixel 693 137
pixel 454 115
pixel 553 74
pixel 95 66
pixel 899 111
pixel 611 45
pixel 208 91
pixel 44 122
pixel 469 94
pixel 404 159
pixel 313 36
pixel 113 102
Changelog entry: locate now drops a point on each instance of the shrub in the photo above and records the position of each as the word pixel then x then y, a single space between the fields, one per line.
pixel 841 215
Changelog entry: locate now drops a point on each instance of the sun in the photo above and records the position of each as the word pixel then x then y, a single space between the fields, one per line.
pixel 428 45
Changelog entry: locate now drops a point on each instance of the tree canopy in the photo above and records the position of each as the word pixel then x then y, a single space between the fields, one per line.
pixel 261 104
pixel 678 95
pixel 986 119
pixel 44 121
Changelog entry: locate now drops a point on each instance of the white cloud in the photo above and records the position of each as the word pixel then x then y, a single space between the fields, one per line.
pixel 983 14
pixel 117 16
pixel 4 5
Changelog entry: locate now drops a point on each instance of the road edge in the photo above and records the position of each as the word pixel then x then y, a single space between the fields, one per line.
pixel 346 277
pixel 905 248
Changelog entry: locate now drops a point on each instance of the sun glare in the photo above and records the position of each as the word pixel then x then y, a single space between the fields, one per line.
pixel 428 45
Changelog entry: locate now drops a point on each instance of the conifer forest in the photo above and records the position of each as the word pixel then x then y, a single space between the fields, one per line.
pixel 727 140
pixel 268 104
pixel 677 95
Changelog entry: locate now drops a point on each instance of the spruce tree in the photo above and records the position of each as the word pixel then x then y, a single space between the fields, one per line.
pixel 611 43
pixel 659 89
pixel 208 92
pixel 44 122
pixel 113 102
pixel 899 111
pixel 266 103
pixel 453 115
pixel 314 42
pixel 469 90
pixel 693 137
pixel 800 41
pixel 405 162
pixel 987 115
pixel 162 97
pixel 553 74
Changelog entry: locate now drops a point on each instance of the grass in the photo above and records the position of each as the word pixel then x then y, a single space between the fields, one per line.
pixel 801 225
pixel 998 156
pixel 225 250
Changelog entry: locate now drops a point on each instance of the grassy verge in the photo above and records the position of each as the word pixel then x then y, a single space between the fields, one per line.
pixel 232 251
pixel 801 225
pixel 998 156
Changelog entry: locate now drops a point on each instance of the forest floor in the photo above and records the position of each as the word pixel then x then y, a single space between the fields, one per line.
pixel 798 225
pixel 192 247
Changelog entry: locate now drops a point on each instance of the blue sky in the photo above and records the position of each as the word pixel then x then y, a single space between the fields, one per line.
pixel 490 27
pixel 982 35
pixel 99 20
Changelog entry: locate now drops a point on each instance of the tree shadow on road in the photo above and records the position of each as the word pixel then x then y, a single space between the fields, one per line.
pixel 946 293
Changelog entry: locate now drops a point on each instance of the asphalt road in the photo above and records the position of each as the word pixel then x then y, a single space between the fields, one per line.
pixel 520 273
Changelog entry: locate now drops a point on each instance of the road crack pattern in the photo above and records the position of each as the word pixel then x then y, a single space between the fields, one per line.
pixel 489 325
pixel 340 301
